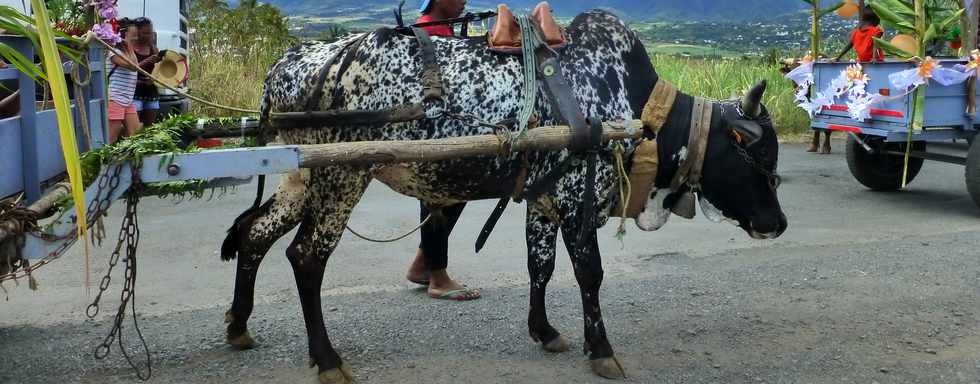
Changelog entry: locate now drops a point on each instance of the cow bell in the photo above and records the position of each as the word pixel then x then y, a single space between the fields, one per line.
pixel 685 206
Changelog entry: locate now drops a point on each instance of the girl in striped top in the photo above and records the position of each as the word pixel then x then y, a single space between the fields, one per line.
pixel 122 86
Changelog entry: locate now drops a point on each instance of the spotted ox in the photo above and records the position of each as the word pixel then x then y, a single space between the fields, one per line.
pixel 610 74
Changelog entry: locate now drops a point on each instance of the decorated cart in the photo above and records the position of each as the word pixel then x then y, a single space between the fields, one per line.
pixel 909 107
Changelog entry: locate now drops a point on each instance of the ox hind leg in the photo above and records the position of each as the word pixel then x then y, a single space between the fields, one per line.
pixel 588 272
pixel 333 194
pixel 542 233
pixel 249 239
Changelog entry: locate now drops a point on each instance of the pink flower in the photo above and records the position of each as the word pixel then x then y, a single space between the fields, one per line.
pixel 108 13
pixel 104 31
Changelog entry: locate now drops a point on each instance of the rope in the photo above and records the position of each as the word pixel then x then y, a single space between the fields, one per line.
pixel 625 190
pixel 365 238
pixel 92 37
pixel 530 41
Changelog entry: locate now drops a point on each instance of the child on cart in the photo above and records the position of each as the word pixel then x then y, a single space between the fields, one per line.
pixel 862 41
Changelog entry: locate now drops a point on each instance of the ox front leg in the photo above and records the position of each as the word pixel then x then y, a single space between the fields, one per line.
pixel 588 271
pixel 542 233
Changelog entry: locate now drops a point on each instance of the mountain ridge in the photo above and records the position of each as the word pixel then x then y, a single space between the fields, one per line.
pixel 655 10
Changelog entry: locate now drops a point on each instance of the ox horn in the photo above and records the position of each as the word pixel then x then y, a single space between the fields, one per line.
pixel 752 103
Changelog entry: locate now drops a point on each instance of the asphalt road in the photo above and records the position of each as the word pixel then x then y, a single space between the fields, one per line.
pixel 864 287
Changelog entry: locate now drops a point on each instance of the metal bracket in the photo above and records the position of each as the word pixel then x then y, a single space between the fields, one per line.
pixel 862 143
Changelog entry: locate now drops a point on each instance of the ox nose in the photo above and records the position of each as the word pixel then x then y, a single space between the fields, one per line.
pixel 770 227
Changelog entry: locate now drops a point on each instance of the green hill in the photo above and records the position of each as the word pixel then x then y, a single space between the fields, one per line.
pixel 709 10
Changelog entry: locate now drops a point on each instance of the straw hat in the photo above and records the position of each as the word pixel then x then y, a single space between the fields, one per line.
pixel 172 70
pixel 850 9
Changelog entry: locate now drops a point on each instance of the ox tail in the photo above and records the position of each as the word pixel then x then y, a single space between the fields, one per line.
pixel 231 246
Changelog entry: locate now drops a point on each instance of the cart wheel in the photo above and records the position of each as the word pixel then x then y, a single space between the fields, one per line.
pixel 882 172
pixel 973 171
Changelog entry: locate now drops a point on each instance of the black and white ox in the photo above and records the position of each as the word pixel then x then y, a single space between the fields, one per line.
pixel 611 75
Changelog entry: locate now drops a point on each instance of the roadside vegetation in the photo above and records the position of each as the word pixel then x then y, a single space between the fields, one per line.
pixel 234 48
pixel 725 78
pixel 232 51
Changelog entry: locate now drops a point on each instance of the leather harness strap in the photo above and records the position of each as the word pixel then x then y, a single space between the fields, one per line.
pixel 690 170
pixel 432 87
pixel 432 91
pixel 321 77
pixel 585 137
pixel 658 106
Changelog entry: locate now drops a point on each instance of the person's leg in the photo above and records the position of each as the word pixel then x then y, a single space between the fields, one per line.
pixel 418 273
pixel 117 113
pixel 150 111
pixel 815 143
pixel 115 130
pixel 132 121
pixel 435 251
pixel 826 143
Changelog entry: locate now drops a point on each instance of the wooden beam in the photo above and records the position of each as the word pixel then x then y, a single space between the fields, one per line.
pixel 42 207
pixel 373 152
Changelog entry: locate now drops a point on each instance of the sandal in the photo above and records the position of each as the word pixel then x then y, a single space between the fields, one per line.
pixel 462 294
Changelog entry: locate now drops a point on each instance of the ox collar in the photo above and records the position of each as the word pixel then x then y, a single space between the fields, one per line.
pixel 689 173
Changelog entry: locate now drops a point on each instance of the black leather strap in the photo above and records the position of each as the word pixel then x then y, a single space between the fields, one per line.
pixel 344 66
pixel 562 98
pixel 491 222
pixel 588 209
pixel 432 87
pixel 465 19
pixel 321 77
pixel 547 182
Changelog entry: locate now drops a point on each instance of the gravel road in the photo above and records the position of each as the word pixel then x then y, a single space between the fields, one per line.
pixel 864 287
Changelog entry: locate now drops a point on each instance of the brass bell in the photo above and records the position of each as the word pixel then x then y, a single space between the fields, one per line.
pixel 685 206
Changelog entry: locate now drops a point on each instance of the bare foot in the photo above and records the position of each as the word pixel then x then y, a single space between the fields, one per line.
pixel 417 272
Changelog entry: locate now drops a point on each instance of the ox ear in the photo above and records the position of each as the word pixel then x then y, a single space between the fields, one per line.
pixel 752 103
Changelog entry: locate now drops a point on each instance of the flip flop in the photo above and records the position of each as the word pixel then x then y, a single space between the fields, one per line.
pixel 462 294
pixel 424 280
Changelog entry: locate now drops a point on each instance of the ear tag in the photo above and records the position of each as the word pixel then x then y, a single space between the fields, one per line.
pixel 685 206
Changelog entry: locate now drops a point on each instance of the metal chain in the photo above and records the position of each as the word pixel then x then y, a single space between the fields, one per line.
pixel 106 185
pixel 774 179
pixel 129 235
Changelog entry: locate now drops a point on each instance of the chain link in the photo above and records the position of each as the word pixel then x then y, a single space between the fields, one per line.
pixel 774 179
pixel 129 235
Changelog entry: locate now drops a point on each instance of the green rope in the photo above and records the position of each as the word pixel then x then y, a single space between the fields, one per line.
pixel 529 40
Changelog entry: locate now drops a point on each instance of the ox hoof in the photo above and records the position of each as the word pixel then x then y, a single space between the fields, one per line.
pixel 241 342
pixel 609 368
pixel 558 345
pixel 342 375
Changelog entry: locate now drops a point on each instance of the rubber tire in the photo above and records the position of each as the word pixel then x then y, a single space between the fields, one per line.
pixel 973 171
pixel 882 172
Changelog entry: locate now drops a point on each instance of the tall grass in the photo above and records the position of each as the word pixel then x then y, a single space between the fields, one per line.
pixel 229 65
pixel 718 78
pixel 232 51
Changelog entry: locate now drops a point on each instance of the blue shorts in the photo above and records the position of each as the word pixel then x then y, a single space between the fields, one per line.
pixel 146 104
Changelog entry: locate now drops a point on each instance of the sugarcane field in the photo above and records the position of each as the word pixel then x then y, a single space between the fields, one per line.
pixel 453 191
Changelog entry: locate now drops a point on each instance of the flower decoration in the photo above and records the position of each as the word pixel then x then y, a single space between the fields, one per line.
pixel 974 62
pixel 927 67
pixel 855 75
pixel 106 32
